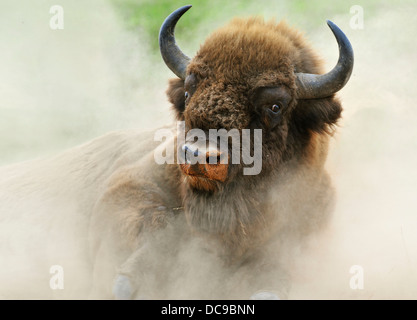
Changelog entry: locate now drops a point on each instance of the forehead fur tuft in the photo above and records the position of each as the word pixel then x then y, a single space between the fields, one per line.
pixel 247 48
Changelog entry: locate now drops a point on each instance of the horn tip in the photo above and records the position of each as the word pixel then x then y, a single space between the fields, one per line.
pixel 185 8
pixel 332 25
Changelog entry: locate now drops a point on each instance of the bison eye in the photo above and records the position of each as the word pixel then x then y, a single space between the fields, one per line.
pixel 186 94
pixel 275 108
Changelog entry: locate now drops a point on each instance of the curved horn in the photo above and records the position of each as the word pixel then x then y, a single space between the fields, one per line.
pixel 171 53
pixel 312 86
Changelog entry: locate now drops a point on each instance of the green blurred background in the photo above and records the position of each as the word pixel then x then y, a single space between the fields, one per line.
pixel 147 15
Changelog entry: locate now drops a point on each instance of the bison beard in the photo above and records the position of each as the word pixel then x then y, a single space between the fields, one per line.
pixel 153 213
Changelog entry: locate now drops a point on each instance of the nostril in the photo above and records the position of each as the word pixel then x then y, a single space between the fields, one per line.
pixel 214 159
pixel 190 150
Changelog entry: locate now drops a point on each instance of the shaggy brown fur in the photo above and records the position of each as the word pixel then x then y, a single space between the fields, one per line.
pixel 239 72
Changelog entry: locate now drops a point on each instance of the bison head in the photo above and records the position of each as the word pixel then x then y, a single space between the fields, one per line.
pixel 253 74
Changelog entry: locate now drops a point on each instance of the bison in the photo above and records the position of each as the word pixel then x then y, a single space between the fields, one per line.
pixel 121 225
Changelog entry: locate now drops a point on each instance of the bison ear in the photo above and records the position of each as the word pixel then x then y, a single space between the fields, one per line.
pixel 319 115
pixel 176 95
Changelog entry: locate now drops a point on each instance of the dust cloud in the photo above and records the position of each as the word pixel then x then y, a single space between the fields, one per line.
pixel 372 161
pixel 69 86
pixel 63 87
